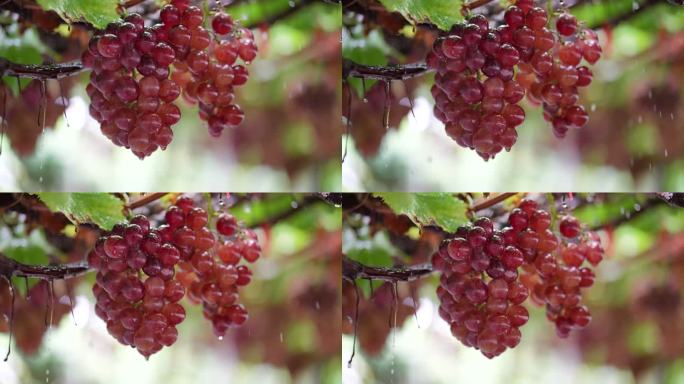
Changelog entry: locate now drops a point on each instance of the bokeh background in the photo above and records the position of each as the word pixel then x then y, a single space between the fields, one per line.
pixel 635 335
pixel 292 334
pixel 633 141
pixel 285 144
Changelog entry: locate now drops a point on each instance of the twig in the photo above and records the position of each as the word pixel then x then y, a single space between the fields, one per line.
pixel 399 72
pixel 476 4
pixel 626 16
pixel 352 270
pixel 144 200
pixel 624 218
pixel 301 205
pixel 289 11
pixel 12 268
pixel 41 72
pixel 490 202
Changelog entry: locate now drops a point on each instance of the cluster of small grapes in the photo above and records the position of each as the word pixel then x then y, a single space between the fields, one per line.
pixel 213 277
pixel 481 291
pixel 480 115
pixel 483 73
pixel 135 289
pixel 206 68
pixel 133 88
pixel 550 67
pixel 556 282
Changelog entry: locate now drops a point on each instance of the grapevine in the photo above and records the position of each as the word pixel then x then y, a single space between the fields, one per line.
pixel 138 72
pixel 483 73
pixel 487 275
pixel 144 272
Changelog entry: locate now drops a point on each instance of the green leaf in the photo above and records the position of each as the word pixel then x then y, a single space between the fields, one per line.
pixel 29 254
pixel 440 209
pixel 102 209
pixel 443 13
pixel 96 12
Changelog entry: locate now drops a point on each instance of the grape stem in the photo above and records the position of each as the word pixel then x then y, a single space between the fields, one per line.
pixel 144 200
pixel 491 201
pixel 475 4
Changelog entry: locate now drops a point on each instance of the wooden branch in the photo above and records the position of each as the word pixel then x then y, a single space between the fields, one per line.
pixel 144 200
pixel 399 72
pixel 301 205
pixel 476 4
pixel 615 20
pixel 12 268
pixel 40 72
pixel 287 12
pixel 492 201
pixel 625 218
pixel 352 270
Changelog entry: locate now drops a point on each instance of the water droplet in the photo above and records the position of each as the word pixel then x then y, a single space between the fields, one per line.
pixel 220 338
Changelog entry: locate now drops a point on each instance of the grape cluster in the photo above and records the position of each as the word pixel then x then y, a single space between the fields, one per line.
pixel 556 282
pixel 482 73
pixel 487 274
pixel 479 291
pixel 143 273
pixel 139 71
pixel 135 289
pixel 550 70
pixel 476 95
pixel 213 278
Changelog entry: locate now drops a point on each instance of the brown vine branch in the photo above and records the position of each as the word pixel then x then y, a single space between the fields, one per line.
pixel 625 218
pixel 289 11
pixel 352 270
pixel 12 268
pixel 398 72
pixel 492 201
pixel 615 20
pixel 476 4
pixel 40 72
pixel 300 206
pixel 144 200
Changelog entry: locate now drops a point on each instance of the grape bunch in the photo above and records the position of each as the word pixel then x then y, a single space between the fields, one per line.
pixel 143 273
pixel 135 289
pixel 550 70
pixel 213 278
pixel 139 71
pixel 482 74
pixel 557 282
pixel 487 275
pixel 476 95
